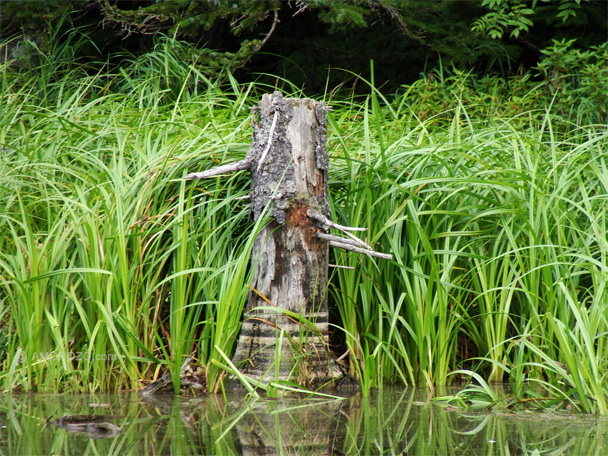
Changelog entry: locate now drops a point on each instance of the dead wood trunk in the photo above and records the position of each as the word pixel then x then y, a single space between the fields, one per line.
pixel 289 163
pixel 288 302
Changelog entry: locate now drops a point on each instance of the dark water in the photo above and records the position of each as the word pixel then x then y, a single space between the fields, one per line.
pixel 389 422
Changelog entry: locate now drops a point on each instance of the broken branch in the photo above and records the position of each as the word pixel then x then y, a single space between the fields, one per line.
pixel 325 221
pixel 222 169
pixel 341 245
pixel 355 242
pixel 345 229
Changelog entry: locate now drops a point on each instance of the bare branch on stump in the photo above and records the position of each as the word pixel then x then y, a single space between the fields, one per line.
pixel 325 221
pixel 352 248
pixel 356 242
pixel 223 169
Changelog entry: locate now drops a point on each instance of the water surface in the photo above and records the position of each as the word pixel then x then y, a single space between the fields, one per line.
pixel 393 421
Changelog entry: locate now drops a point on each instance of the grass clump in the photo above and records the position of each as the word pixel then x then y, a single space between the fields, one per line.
pixel 100 236
pixel 498 237
pixel 113 268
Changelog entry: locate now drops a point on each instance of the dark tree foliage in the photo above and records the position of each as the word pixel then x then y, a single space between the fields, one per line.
pixel 301 40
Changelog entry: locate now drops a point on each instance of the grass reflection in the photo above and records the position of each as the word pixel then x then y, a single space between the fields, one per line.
pixel 389 422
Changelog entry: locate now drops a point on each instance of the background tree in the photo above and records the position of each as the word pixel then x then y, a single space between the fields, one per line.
pixel 301 40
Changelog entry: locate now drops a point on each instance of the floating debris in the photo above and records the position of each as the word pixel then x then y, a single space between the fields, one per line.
pixel 94 426
pixel 190 380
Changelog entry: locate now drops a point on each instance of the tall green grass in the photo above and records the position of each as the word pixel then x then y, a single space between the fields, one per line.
pixel 498 231
pixel 106 251
pixel 113 269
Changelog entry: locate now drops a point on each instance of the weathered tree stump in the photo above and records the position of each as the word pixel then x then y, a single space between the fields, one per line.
pixel 290 174
pixel 289 164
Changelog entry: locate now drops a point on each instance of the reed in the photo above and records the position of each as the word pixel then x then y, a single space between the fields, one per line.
pixel 117 269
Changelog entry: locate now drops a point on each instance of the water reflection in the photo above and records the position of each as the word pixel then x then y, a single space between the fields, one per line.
pixel 388 422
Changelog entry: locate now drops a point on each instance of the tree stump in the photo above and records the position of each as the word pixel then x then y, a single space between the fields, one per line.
pixel 289 173
pixel 289 165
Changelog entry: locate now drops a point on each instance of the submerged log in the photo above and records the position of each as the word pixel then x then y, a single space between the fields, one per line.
pixel 289 165
pixel 94 426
